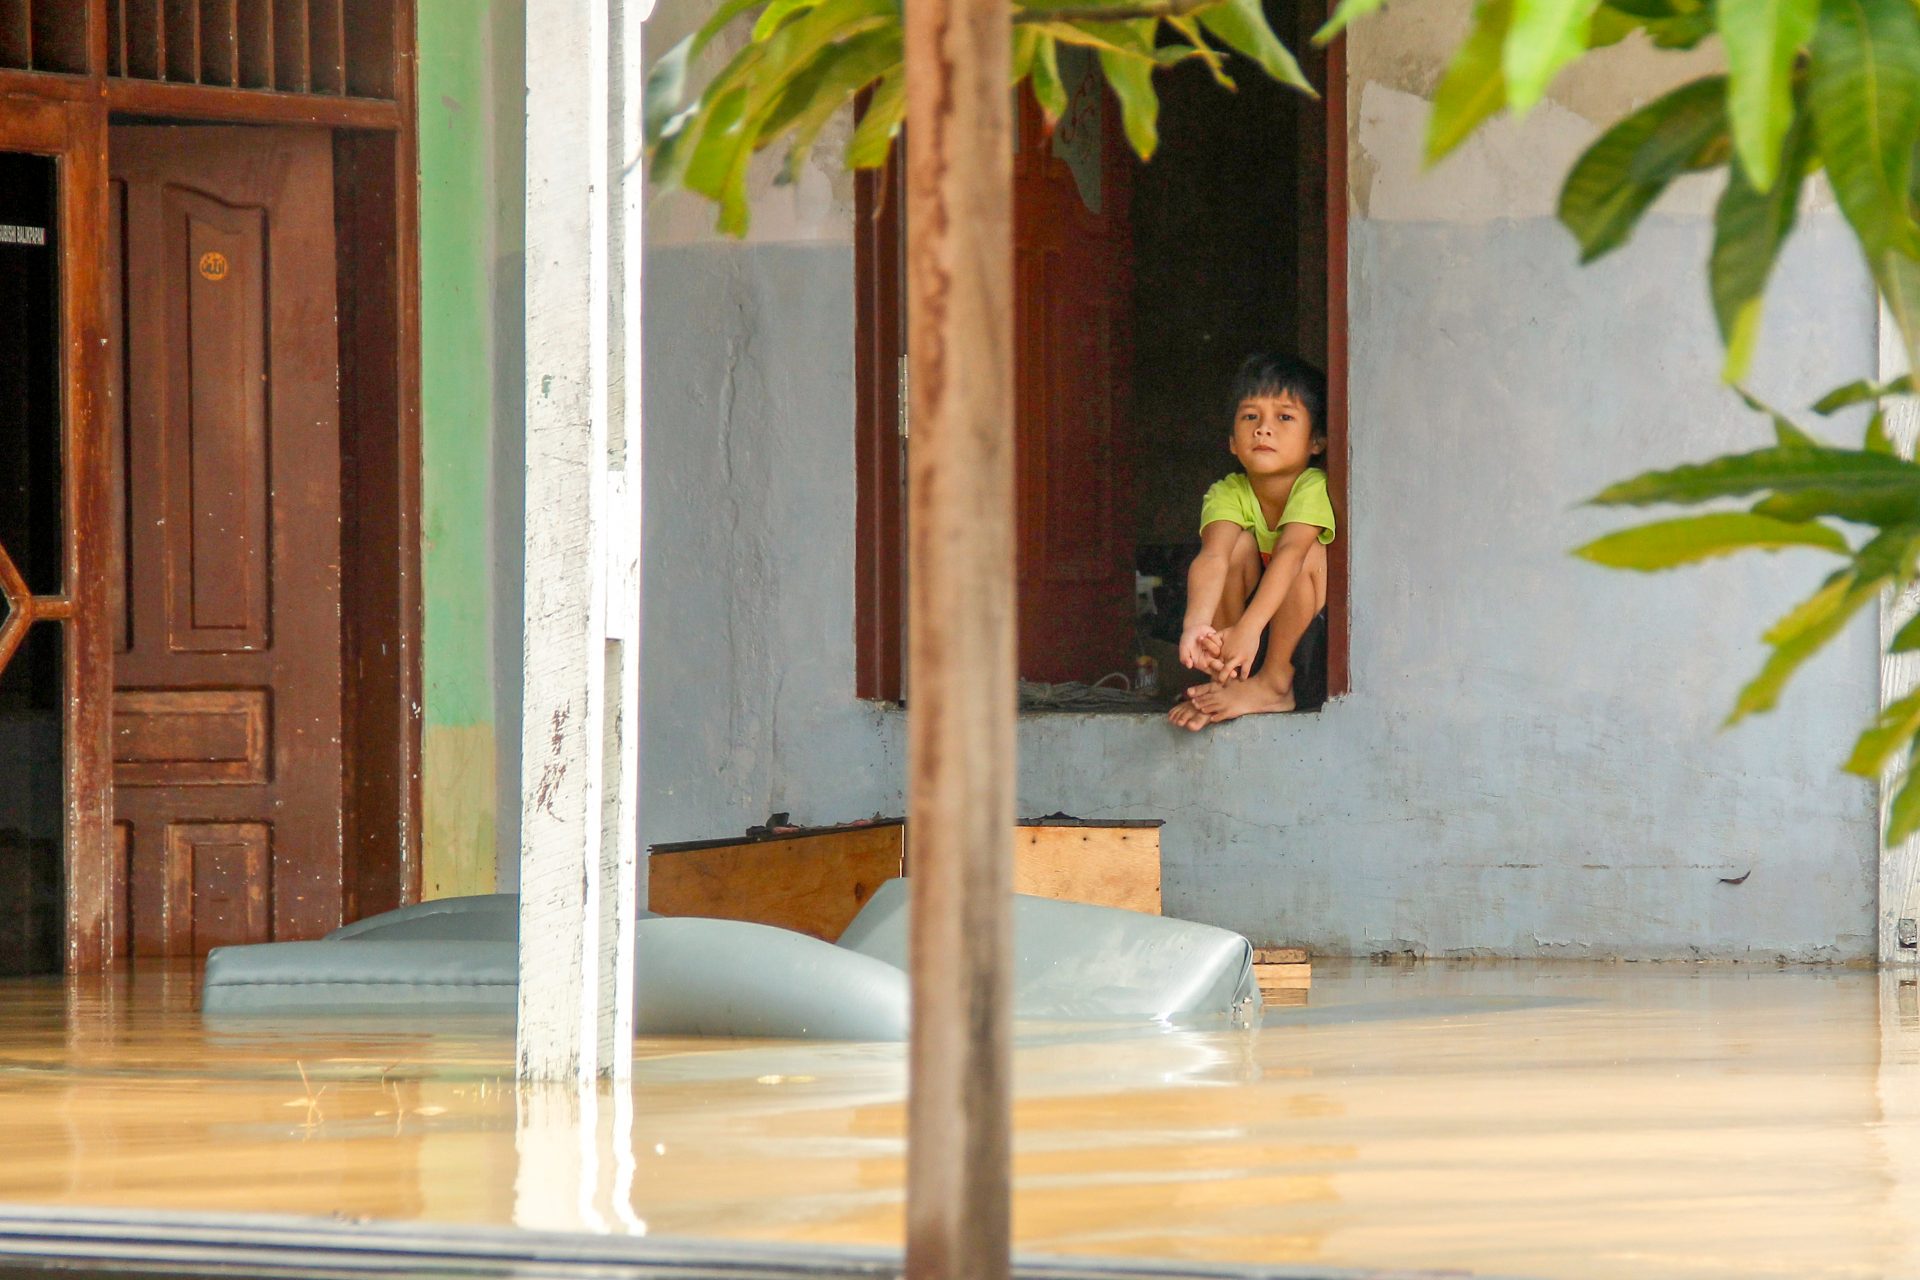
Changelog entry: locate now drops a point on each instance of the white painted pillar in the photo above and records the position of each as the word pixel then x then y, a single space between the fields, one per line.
pixel 580 743
pixel 1899 924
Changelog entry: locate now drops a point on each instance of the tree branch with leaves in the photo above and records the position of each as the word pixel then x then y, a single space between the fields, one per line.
pixel 805 61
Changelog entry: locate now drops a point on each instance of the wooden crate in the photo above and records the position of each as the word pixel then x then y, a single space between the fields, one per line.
pixel 816 880
pixel 811 881
pixel 1108 864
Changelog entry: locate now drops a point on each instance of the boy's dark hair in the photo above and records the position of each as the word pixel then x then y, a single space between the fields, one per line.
pixel 1267 374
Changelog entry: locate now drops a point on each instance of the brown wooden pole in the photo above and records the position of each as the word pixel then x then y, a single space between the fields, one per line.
pixel 960 643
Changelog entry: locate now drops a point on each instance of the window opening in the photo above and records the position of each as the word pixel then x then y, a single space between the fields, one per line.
pixel 1139 289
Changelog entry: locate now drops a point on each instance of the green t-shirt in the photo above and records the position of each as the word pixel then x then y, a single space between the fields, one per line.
pixel 1232 499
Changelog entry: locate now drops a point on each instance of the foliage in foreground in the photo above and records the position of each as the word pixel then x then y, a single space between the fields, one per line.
pixel 1811 86
pixel 804 61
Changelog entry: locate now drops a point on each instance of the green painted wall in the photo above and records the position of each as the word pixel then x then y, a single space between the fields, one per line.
pixel 470 185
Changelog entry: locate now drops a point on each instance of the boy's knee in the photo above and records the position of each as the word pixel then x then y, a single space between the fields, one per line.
pixel 1246 548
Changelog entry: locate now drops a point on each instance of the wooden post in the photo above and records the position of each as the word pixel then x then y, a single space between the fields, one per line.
pixel 961 646
pixel 580 743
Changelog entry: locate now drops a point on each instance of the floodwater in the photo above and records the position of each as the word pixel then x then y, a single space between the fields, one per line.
pixel 1550 1119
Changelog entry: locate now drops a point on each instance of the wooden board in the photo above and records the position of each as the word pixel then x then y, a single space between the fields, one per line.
pixel 1105 866
pixel 814 883
pixel 816 880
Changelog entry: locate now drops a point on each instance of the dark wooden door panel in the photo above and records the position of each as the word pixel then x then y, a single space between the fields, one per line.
pixel 1071 292
pixel 216 461
pixel 227 704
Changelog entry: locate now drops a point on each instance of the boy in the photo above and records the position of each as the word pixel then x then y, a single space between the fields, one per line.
pixel 1263 547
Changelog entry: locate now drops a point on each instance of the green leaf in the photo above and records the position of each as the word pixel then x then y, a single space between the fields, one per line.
pixel 830 86
pixel 1475 84
pixel 793 54
pixel 1784 429
pixel 1666 544
pixel 719 136
pixel 1345 15
pixel 775 15
pixel 1903 816
pixel 1785 469
pixel 1609 27
pixel 1876 505
pixel 1907 638
pixel 1542 37
pixel 1762 39
pixel 1749 227
pixel 1892 732
pixel 1800 635
pixel 1132 82
pixel 1241 25
pixel 1623 173
pixel 1101 37
pixel 1216 66
pixel 666 85
pixel 873 135
pixel 1860 392
pixel 1877 439
pixel 1049 90
pixel 1864 91
pixel 725 14
pixel 1026 45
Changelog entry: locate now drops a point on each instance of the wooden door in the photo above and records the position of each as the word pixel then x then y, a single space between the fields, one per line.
pixel 1071 307
pixel 225 373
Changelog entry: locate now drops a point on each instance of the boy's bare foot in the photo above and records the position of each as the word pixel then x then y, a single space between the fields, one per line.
pixel 1187 716
pixel 1217 702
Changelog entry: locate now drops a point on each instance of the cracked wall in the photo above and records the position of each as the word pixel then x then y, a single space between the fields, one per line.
pixel 1531 761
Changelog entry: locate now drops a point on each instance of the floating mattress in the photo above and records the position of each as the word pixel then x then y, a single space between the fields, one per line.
pixel 730 978
pixel 1075 961
pixel 461 955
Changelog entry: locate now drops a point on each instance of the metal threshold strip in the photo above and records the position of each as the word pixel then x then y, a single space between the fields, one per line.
pixel 79 1244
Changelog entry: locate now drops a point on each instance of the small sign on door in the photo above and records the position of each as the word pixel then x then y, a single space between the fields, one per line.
pixel 35 236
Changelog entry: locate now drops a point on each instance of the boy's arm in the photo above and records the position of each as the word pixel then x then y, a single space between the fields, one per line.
pixel 1206 582
pixel 1240 642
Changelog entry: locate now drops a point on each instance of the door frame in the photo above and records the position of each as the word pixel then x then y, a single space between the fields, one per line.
pixel 376 202
pixel 74 134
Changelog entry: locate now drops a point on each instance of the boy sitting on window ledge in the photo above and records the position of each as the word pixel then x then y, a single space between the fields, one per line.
pixel 1264 532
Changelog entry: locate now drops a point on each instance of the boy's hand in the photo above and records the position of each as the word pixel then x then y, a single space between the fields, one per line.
pixel 1237 648
pixel 1198 646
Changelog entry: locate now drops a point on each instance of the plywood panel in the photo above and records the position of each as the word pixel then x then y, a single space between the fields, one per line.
pixel 815 884
pixel 191 737
pixel 1105 866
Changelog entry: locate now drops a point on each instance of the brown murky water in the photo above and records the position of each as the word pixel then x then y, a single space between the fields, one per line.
pixel 1541 1119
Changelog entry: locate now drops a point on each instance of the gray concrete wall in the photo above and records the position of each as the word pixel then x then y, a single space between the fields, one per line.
pixel 1529 763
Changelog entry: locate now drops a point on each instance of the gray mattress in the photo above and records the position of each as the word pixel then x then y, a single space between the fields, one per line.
pixel 728 978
